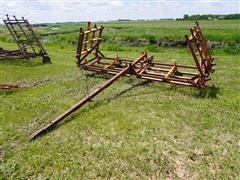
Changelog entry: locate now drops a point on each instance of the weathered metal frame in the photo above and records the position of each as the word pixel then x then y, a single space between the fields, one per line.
pixel 26 40
pixel 202 50
pixel 9 86
pixel 7 54
pixel 143 67
pixel 151 70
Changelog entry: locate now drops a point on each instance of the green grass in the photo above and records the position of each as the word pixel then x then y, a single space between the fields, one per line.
pixel 133 129
pixel 226 31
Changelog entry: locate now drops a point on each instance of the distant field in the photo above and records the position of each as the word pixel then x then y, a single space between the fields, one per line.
pixel 223 30
pixel 133 129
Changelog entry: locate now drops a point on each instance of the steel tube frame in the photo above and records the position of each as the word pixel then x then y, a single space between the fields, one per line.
pixel 143 67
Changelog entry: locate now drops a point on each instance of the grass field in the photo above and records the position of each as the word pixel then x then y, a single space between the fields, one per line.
pixel 134 129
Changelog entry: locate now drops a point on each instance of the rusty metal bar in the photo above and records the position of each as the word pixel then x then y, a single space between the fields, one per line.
pixel 203 41
pixel 53 123
pixel 93 35
pixel 89 51
pixel 194 56
pixel 198 47
pixel 9 86
pixel 79 49
pixel 206 57
pixel 86 38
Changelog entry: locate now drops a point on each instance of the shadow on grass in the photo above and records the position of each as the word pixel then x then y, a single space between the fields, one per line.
pixel 6 92
pixel 33 62
pixel 96 104
pixel 208 92
pixel 119 94
pixel 98 75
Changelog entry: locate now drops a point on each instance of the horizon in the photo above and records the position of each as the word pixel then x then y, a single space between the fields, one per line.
pixel 125 20
pixel 59 11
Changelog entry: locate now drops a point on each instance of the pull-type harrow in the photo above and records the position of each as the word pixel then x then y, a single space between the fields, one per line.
pixel 28 43
pixel 26 39
pixel 142 67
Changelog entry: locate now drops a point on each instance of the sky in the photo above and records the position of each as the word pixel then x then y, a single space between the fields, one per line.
pixel 50 11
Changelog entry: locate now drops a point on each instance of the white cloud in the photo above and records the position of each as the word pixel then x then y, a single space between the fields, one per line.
pixel 83 10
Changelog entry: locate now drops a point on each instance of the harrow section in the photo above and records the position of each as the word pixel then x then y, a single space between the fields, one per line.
pixel 143 67
pixel 26 39
pixel 195 76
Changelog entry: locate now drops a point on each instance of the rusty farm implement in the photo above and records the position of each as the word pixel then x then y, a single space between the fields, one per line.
pixel 143 67
pixel 26 40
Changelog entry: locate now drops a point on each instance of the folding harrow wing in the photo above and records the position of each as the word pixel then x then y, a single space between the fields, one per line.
pixel 143 67
pixel 26 40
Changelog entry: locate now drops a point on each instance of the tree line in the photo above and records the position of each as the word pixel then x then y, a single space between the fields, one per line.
pixel 210 17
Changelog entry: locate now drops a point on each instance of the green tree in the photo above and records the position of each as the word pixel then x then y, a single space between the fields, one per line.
pixel 186 16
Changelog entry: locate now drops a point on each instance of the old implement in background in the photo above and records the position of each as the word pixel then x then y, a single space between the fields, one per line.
pixel 26 39
pixel 143 67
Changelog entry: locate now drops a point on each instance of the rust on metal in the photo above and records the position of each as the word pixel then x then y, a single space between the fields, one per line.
pixel 174 73
pixel 26 40
pixel 9 86
pixel 143 67
pixel 124 71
